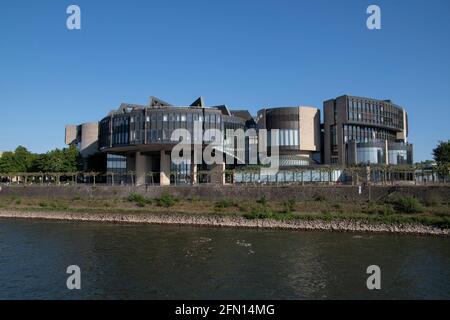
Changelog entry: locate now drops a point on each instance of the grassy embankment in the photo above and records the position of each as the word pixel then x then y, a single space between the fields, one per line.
pixel 391 211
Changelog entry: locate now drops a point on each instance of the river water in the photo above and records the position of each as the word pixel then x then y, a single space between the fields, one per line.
pixel 178 262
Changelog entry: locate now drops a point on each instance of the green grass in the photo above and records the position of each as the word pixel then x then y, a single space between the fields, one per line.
pixel 222 204
pixel 166 200
pixel 288 206
pixel 408 205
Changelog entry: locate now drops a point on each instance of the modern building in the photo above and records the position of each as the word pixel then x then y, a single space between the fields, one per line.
pixel 299 133
pixel 138 138
pixel 361 130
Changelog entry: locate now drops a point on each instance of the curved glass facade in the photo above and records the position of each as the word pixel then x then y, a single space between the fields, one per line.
pixel 370 153
pixel 294 161
pixel 366 134
pixel 298 133
pixel 395 153
pixel 155 126
pixel 400 153
pixel 286 138
pixel 286 120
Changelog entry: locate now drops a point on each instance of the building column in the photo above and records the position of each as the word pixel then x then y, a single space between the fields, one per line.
pixel 164 175
pixel 141 168
pixel 351 154
pixel 368 175
pixel 218 173
pixel 386 152
pixel 194 170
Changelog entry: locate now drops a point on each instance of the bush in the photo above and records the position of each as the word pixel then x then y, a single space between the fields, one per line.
pixel 224 204
pixel 262 201
pixel 135 197
pixel 259 212
pixel 139 199
pixel 141 204
pixel 319 198
pixel 408 205
pixel 431 201
pixel 387 210
pixel 288 206
pixel 166 200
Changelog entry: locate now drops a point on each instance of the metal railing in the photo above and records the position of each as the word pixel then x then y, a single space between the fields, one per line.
pixel 318 175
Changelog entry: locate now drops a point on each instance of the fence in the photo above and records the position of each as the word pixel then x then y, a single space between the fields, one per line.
pixel 383 175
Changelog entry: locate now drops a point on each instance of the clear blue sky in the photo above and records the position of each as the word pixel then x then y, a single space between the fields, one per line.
pixel 246 54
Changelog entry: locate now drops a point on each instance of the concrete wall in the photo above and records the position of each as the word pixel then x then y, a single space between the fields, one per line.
pixel 142 167
pixel 309 122
pixel 89 139
pixel 71 133
pixel 403 135
pixel 210 192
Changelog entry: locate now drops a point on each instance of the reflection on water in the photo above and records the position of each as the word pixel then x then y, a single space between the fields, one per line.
pixel 171 262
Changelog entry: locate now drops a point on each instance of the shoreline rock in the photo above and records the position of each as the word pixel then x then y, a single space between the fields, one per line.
pixel 231 222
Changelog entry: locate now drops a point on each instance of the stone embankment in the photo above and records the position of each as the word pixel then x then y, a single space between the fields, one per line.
pixel 231 221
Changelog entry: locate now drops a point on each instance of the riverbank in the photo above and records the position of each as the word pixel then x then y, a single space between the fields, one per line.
pixel 339 225
pixel 397 212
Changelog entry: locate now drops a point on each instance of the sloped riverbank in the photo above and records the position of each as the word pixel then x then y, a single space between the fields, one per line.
pixel 342 225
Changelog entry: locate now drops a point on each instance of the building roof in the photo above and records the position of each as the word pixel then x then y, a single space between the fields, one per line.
pixel 198 103
pixel 244 114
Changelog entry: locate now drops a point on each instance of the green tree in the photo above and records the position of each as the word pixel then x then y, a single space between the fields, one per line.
pixel 442 156
pixel 18 161
pixel 7 163
pixel 21 160
pixel 425 163
pixel 65 160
